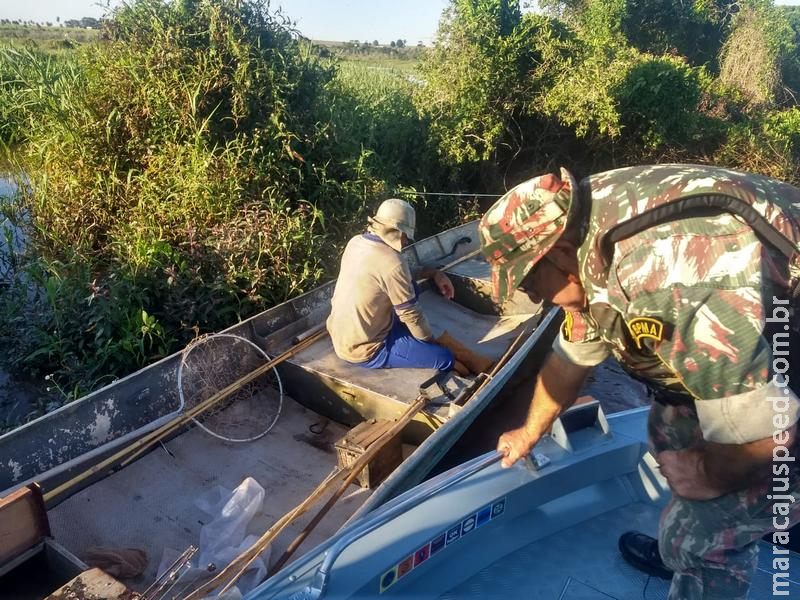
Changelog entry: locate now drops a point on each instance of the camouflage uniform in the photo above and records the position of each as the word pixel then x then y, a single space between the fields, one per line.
pixel 711 545
pixel 678 292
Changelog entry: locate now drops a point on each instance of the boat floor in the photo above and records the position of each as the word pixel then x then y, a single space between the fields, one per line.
pixel 582 562
pixel 489 335
pixel 150 504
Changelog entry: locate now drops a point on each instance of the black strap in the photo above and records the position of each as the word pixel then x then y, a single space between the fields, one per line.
pixel 705 204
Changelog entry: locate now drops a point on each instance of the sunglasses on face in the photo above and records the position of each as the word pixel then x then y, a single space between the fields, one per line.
pixel 532 277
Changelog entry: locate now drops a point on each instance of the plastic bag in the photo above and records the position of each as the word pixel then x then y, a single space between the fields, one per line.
pixel 224 537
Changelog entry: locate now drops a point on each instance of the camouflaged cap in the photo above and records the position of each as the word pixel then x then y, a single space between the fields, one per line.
pixel 522 226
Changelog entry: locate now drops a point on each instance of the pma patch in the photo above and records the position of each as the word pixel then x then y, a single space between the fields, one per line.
pixel 566 326
pixel 646 327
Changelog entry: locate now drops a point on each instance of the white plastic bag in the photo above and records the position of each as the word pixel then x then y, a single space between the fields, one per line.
pixel 224 537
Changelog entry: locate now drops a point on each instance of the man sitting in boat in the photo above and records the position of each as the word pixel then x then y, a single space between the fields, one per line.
pixel 688 276
pixel 376 320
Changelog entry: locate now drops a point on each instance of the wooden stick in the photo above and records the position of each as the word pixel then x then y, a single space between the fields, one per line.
pixel 253 551
pixel 143 444
pixel 242 562
pixel 313 523
pixel 458 261
pixel 354 471
pixel 328 505
pixel 503 360
pixel 187 416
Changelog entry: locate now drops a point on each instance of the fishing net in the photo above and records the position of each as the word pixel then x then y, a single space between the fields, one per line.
pixel 212 363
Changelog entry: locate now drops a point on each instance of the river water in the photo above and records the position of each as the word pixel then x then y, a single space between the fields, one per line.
pixel 17 398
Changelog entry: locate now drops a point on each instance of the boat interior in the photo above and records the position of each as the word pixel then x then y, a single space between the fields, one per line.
pixel 152 503
pixel 349 393
pixel 546 529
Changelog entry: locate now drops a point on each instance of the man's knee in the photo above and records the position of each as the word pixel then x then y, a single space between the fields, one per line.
pixel 673 536
pixel 444 359
pixel 699 544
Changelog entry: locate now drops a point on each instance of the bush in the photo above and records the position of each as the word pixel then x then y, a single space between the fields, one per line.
pixel 658 101
pixel 616 94
pixel 185 173
pixel 783 128
pixel 484 75
pixel 749 147
pixel 758 53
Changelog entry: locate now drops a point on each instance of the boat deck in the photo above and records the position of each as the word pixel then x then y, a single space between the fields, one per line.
pixel 480 531
pixel 489 335
pixel 582 562
pixel 150 504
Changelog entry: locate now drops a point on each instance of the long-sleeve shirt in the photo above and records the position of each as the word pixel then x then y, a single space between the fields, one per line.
pixel 374 285
pixel 691 303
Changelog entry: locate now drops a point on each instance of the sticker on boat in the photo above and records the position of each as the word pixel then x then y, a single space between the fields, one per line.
pixel 444 539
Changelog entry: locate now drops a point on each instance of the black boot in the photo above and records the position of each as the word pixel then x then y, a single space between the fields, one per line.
pixel 641 552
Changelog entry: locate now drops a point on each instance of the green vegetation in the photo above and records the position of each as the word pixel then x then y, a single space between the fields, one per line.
pixel 199 165
pixel 194 163
pixel 48 38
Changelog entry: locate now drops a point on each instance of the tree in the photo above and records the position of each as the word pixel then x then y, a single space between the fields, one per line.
pixel 89 23
pixel 375 43
pixel 484 73
pixel 760 53
pixel 694 30
pixel 400 43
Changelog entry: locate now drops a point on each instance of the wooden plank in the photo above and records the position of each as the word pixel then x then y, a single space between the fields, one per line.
pixel 93 584
pixel 23 522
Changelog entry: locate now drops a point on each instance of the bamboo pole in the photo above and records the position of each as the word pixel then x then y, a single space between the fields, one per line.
pixel 142 445
pixel 242 562
pixel 290 550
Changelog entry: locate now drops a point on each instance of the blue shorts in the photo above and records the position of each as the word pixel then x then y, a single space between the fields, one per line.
pixel 403 350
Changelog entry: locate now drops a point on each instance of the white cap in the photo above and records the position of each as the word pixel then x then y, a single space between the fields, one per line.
pixel 397 214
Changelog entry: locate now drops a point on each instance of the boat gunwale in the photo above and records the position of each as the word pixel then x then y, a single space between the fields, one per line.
pixel 260 327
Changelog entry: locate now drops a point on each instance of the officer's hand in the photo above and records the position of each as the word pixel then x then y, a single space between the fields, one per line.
pixel 444 285
pixel 515 444
pixel 686 474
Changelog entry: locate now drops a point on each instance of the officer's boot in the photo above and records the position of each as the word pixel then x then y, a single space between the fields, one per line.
pixel 641 552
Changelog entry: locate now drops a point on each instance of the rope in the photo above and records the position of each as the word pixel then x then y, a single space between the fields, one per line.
pixel 410 193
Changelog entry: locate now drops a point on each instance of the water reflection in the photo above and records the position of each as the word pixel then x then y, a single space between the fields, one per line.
pixel 16 397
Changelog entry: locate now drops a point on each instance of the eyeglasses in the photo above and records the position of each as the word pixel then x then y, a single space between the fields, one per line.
pixel 528 283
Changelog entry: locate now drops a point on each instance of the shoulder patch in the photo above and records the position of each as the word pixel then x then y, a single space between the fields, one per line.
pixel 566 326
pixel 646 327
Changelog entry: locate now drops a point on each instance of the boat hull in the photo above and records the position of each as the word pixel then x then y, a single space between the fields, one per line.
pixel 56 447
